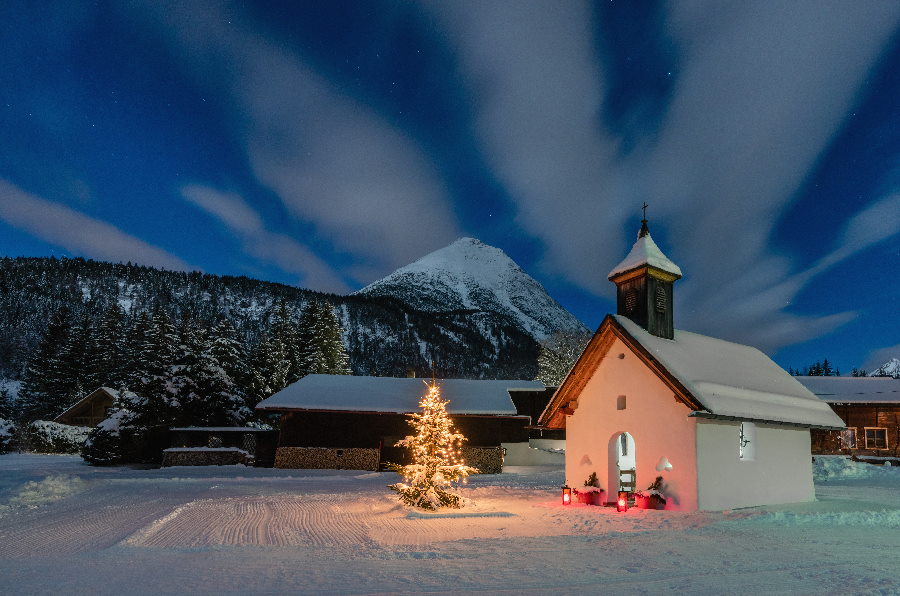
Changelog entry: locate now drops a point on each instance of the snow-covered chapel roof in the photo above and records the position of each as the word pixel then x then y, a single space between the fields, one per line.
pixel 734 380
pixel 716 378
pixel 645 252
pixel 348 393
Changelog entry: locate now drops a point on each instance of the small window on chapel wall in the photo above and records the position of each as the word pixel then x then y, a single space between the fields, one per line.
pixel 747 441
pixel 660 299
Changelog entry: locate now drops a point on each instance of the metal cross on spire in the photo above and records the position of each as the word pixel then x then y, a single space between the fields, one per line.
pixel 644 229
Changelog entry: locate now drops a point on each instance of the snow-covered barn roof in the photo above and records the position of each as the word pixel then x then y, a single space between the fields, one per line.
pixel 347 393
pixel 645 252
pixel 715 378
pixel 848 390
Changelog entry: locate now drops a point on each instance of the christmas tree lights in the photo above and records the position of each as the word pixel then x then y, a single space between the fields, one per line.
pixel 437 461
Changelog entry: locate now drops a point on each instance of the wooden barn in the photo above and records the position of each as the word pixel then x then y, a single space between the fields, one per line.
pixel 353 422
pixel 722 424
pixel 90 410
pixel 869 407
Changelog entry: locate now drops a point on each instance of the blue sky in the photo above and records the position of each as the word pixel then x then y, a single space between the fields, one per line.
pixel 326 144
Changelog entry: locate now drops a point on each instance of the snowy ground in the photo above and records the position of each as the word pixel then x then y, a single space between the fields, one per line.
pixel 66 526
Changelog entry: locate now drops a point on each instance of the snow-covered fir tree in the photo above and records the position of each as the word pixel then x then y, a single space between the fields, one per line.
pixel 106 348
pixel 437 461
pixel 205 393
pixel 321 339
pixel 6 404
pixel 42 394
pixel 557 355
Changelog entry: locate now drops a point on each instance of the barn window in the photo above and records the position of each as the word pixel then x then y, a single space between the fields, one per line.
pixel 660 299
pixel 630 300
pixel 747 441
pixel 876 438
pixel 848 438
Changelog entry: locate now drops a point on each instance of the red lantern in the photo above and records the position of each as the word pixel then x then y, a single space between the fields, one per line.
pixel 567 495
pixel 622 501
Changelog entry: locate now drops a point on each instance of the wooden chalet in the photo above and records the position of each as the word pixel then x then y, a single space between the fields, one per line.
pixel 90 410
pixel 354 422
pixel 722 424
pixel 869 407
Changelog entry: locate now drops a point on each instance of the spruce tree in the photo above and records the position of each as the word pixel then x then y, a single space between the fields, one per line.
pixel 437 462
pixel 137 338
pixel 6 405
pixel 284 331
pixel 557 354
pixel 323 347
pixel 228 351
pixel 106 348
pixel 39 397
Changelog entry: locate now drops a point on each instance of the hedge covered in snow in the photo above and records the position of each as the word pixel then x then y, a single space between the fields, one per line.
pixel 44 436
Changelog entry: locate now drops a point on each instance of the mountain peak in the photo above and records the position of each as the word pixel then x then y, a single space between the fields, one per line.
pixel 891 368
pixel 471 275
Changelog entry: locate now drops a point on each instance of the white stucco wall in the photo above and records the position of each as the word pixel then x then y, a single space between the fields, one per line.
pixel 529 454
pixel 659 425
pixel 781 471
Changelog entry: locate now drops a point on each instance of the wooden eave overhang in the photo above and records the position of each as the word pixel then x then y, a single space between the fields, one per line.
pixel 711 416
pixel 554 415
pixel 640 270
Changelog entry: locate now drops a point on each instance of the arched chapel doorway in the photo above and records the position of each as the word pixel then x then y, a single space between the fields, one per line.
pixel 626 463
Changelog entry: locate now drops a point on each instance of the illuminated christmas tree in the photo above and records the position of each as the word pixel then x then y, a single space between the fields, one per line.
pixel 437 462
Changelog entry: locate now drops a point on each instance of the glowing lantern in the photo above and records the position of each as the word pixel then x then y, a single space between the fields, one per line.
pixel 622 501
pixel 567 495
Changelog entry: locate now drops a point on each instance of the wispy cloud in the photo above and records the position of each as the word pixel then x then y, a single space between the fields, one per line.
pixel 365 186
pixel 282 251
pixel 77 232
pixel 762 90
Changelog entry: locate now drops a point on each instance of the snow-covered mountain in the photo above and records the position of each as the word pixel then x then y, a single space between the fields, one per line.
pixel 470 275
pixel 891 368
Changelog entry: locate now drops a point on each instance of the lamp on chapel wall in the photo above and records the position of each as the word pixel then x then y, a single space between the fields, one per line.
pixel 622 501
pixel 566 495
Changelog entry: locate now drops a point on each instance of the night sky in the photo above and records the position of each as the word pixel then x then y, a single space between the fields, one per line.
pixel 325 144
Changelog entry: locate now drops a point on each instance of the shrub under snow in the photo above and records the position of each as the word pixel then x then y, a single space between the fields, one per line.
pixel 103 446
pixel 7 432
pixel 44 436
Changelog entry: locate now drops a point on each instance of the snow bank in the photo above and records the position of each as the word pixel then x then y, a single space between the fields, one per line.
pixel 52 488
pixel 837 467
pixel 889 518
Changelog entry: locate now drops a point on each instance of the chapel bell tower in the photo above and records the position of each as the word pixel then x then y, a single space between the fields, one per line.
pixel 644 281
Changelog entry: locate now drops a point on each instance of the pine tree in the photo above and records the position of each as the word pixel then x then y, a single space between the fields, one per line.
pixel 437 463
pixel 39 396
pixel 557 355
pixel 285 333
pixel 158 354
pixel 137 338
pixel 6 405
pixel 321 337
pixel 826 369
pixel 106 349
pixel 228 351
